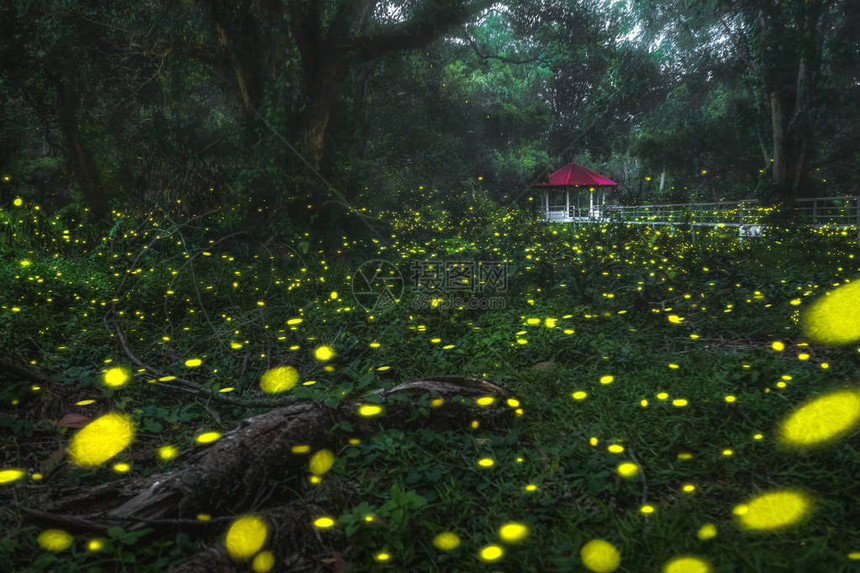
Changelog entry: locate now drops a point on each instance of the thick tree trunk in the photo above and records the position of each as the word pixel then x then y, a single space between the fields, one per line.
pixel 78 156
pixel 322 93
pixel 239 36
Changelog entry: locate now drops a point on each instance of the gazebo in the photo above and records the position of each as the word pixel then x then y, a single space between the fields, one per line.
pixel 556 204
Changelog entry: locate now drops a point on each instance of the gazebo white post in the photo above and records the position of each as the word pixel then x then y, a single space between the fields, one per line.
pixel 567 203
pixel 602 202
pixel 591 203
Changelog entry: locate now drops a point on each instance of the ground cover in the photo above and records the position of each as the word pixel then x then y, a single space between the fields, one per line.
pixel 652 382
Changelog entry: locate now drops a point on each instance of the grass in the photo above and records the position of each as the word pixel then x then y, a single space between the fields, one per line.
pixel 610 294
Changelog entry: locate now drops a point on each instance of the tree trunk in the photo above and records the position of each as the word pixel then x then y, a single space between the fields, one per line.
pixel 78 156
pixel 780 141
pixel 240 37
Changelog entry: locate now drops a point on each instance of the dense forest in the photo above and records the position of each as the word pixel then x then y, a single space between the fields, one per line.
pixel 279 290
pixel 277 105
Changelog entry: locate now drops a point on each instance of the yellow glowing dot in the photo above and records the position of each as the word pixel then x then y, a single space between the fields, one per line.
pixel 673 366
pixel 167 452
pixel 579 395
pixel 707 531
pixel 436 402
pixel 778 346
pixel 686 564
pixel 491 553
pixel 758 437
pixel 627 469
pixel 101 439
pixel 314 479
pixel 369 410
pixel 95 545
pixel 647 509
pixel 300 449
pixel 11 475
pixel 486 462
pixel 592 441
pixel 531 487
pixel 55 540
pixel 795 302
pixel 854 555
pixel 475 424
pixel 728 452
pixel 643 403
pixel 600 556
pixel 803 356
pixel 263 562
pixel 203 517
pixel 825 365
pixel 207 437
pixel 694 336
pixel 822 419
pixel 688 488
pixel 513 532
pixel 321 462
pixel 246 537
pixel 607 379
pixel 835 318
pixel 674 318
pixel 730 399
pixel 513 403
pixel 485 401
pixel 382 556
pixel 323 522
pixel 279 379
pixel 679 402
pixel 294 321
pixel 333 295
pixel 615 449
pixel 446 541
pixel 324 353
pixel 121 467
pixel 235 345
pixel 18 201
pixel 116 376
pixel 662 396
pixel 773 510
pixel 193 362
pixel 685 456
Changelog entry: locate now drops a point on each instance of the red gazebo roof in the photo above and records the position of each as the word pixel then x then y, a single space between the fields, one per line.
pixel 573 175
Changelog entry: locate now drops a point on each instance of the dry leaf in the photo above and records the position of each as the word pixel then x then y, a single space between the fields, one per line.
pixel 77 421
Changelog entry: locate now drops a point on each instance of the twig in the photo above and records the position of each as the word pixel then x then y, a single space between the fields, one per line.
pixel 193 387
pixel 25 373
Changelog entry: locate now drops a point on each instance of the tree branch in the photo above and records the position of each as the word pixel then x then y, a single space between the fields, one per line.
pixel 438 17
pixel 485 56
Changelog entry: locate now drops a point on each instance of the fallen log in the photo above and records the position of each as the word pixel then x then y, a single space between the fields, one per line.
pixel 233 475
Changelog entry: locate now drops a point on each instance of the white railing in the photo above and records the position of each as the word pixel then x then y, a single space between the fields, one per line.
pixel 838 212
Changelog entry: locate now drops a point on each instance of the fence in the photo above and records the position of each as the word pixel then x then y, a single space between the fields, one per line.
pixel 748 215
